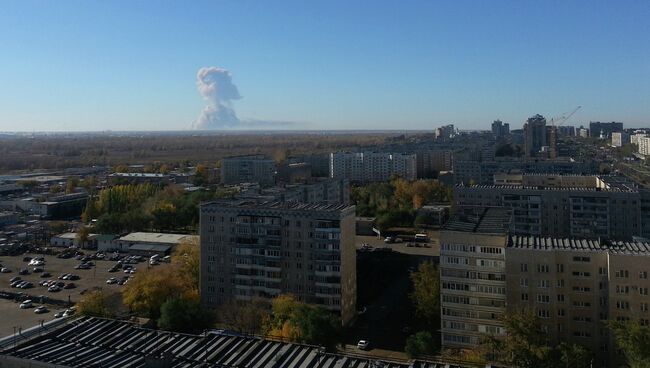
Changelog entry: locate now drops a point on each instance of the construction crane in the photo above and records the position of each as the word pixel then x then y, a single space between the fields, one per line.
pixel 557 121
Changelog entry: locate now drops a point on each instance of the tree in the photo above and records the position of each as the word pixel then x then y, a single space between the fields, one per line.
pixel 526 344
pixel 421 343
pixel 146 293
pixel 96 303
pixel 426 293
pixel 244 317
pixel 574 356
pixel 82 235
pixel 634 340
pixel 303 323
pixel 184 315
pixel 57 227
pixel 71 185
pixel 201 175
pixel 187 256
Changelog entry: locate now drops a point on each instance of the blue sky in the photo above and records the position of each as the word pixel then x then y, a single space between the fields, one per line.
pixel 131 65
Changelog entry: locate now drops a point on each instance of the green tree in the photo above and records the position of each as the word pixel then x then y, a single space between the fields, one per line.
pixel 244 317
pixel 574 356
pixel 525 345
pixel 426 293
pixel 184 315
pixel 421 343
pixel 82 235
pixel 634 340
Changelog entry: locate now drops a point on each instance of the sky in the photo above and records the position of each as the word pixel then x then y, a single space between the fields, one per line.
pixel 132 65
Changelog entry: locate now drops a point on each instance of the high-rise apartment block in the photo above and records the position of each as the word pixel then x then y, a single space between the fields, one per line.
pixel 620 139
pixel 500 129
pixel 644 145
pixel 372 166
pixel 535 135
pixel 573 285
pixel 248 169
pixel 473 276
pixel 445 132
pixel 429 163
pixel 252 249
pixel 604 130
pixel 564 206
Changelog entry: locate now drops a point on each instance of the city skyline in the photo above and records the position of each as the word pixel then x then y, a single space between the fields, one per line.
pixel 78 66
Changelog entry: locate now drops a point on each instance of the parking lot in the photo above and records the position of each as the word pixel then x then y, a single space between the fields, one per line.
pixel 95 277
pixel 430 248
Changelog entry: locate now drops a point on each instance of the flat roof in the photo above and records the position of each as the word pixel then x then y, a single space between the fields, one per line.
pixel 151 247
pixel 95 342
pixel 286 205
pixel 142 237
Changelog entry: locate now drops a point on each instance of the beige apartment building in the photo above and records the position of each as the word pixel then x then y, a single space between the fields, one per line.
pixel 253 249
pixel 473 276
pixel 574 285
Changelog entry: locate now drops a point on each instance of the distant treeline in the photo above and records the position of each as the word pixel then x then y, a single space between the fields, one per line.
pixel 57 152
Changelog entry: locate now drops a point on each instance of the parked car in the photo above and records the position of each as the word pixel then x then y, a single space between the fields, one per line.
pixel 59 314
pixel 53 289
pixel 68 312
pixel 363 344
pixel 46 274
pixel 23 271
pixel 41 309
pixel 37 269
pixel 15 278
pixel 26 304
pixel 4 270
pixel 111 281
pixel 70 285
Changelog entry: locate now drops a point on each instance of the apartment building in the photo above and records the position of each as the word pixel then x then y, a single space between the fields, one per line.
pixel 472 276
pixel 482 172
pixel 248 169
pixel 644 145
pixel 372 166
pixel 253 249
pixel 574 285
pixel 564 206
pixel 321 190
pixel 620 139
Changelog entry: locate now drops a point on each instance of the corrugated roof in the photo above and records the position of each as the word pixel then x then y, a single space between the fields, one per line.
pixel 96 342
pixel 577 244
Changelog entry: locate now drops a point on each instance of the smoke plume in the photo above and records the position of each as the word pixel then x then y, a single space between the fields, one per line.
pixel 216 87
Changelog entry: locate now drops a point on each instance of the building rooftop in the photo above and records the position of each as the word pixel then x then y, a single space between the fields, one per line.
pixel 95 342
pixel 485 220
pixel 138 175
pixel 154 238
pixel 288 205
pixel 575 244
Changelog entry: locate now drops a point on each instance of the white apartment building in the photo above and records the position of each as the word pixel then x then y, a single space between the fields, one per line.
pixel 372 166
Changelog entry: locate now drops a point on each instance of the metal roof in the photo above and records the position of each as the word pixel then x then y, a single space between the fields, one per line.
pixel 576 244
pixel 485 220
pixel 96 342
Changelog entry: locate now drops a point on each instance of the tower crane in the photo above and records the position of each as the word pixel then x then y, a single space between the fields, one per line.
pixel 555 122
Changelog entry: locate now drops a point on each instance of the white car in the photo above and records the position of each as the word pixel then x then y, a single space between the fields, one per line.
pixel 363 344
pixel 40 310
pixel 5 270
pixel 26 304
pixel 68 313
pixel 111 281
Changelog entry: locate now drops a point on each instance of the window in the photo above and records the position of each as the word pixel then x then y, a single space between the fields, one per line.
pixel 542 268
pixel 523 267
pixel 559 267
pixel 622 273
pixel 560 283
pixel 541 298
pixel 581 259
pixel 523 282
pixel 543 313
pixel 524 297
pixel 543 284
pixel 624 305
pixel 602 271
pixel 643 291
pixel 643 274
pixel 561 312
pixel 644 307
pixel 560 297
